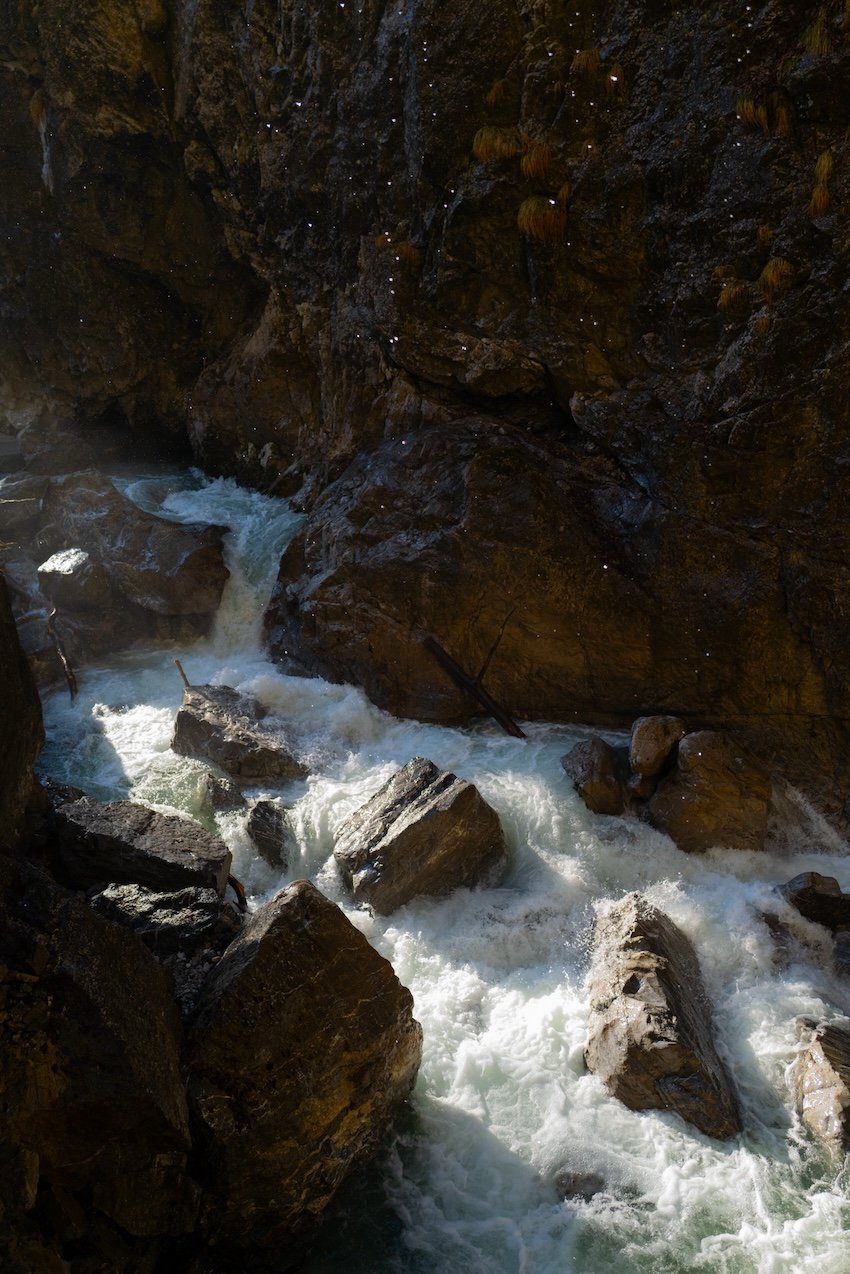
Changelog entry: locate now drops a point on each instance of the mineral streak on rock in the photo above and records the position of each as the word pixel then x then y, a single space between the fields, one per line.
pixel 303 1049
pixel 650 1035
pixel 424 832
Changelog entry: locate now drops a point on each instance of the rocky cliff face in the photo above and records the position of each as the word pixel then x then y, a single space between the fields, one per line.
pixel 565 277
pixel 20 728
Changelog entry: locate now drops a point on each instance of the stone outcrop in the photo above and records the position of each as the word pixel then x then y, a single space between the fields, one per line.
pixel 424 832
pixel 717 795
pixel 652 743
pixel 599 774
pixel 303 1048
pixel 821 1082
pixel 216 723
pixel 165 922
pixel 122 843
pixel 93 1097
pixel 650 1034
pixel 20 728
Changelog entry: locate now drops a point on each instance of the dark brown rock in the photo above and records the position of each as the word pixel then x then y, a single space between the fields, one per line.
pixel 578 1185
pixel 819 898
pixel 21 728
pixel 165 922
pixel 122 843
pixel 718 794
pixel 216 793
pixel 216 723
pixel 303 1049
pixel 821 1082
pixel 424 832
pixel 599 774
pixel 170 568
pixel 652 741
pixel 72 578
pixel 650 1037
pixel 90 1064
pixel 269 829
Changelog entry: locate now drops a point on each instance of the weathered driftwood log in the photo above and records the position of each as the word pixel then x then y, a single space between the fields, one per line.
pixel 471 684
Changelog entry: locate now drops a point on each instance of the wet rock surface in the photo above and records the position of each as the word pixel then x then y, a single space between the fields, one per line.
pixel 216 723
pixel 821 1082
pixel 652 743
pixel 650 1033
pixel 820 899
pixel 717 795
pixel 600 775
pixel 270 830
pixel 122 843
pixel 21 727
pixel 305 1031
pixel 424 832
pixel 166 922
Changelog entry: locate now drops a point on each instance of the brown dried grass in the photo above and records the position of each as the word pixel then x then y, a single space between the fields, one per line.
pixel 492 143
pixel 536 161
pixel 543 219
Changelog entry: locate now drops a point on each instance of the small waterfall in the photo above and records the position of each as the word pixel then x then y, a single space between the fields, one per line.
pixel 498 976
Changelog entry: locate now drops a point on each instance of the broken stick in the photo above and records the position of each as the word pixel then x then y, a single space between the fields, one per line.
pixel 70 676
pixel 471 685
pixel 186 681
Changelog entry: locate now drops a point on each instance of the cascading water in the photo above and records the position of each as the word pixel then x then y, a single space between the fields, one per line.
pixel 503 1100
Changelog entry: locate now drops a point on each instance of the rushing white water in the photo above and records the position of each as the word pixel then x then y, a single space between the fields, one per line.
pixel 503 1100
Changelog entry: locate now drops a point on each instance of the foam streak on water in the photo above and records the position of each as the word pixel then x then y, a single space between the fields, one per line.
pixel 503 1100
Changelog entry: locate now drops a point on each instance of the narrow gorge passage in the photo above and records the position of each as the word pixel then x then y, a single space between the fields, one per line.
pixel 503 1102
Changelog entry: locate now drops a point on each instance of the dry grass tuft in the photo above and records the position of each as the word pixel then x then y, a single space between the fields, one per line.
pixel 38 107
pixel 495 143
pixel 820 200
pixel 746 111
pixel 824 166
pixel 586 61
pixel 762 325
pixel 782 112
pixel 407 253
pixel 776 275
pixel 543 219
pixel 816 37
pixel 562 199
pixel 536 161
pixel 764 234
pixel 497 92
pixel 733 295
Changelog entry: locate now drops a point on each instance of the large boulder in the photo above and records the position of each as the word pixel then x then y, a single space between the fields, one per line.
pixel 820 899
pixel 424 832
pixel 303 1049
pixel 599 774
pixel 163 566
pixel 821 1082
pixel 270 830
pixel 652 741
pixel 20 727
pixel 93 1096
pixel 717 795
pixel 122 843
pixel 650 1036
pixel 165 922
pixel 216 723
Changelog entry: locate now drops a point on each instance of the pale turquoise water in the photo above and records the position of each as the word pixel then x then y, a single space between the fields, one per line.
pixel 503 1100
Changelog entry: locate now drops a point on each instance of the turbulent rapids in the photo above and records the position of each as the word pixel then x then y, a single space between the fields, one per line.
pixel 504 1102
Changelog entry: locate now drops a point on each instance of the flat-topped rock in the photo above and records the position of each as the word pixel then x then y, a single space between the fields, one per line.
pixel 218 724
pixel 717 795
pixel 820 899
pixel 650 1029
pixel 303 1049
pixel 166 922
pixel 74 579
pixel 122 843
pixel 425 832
pixel 821 1081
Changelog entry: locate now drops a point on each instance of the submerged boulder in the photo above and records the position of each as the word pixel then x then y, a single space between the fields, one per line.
pixel 820 899
pixel 425 832
pixel 717 795
pixel 269 829
pixel 303 1048
pixel 821 1081
pixel 216 723
pixel 650 1030
pixel 216 793
pixel 599 774
pixel 123 843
